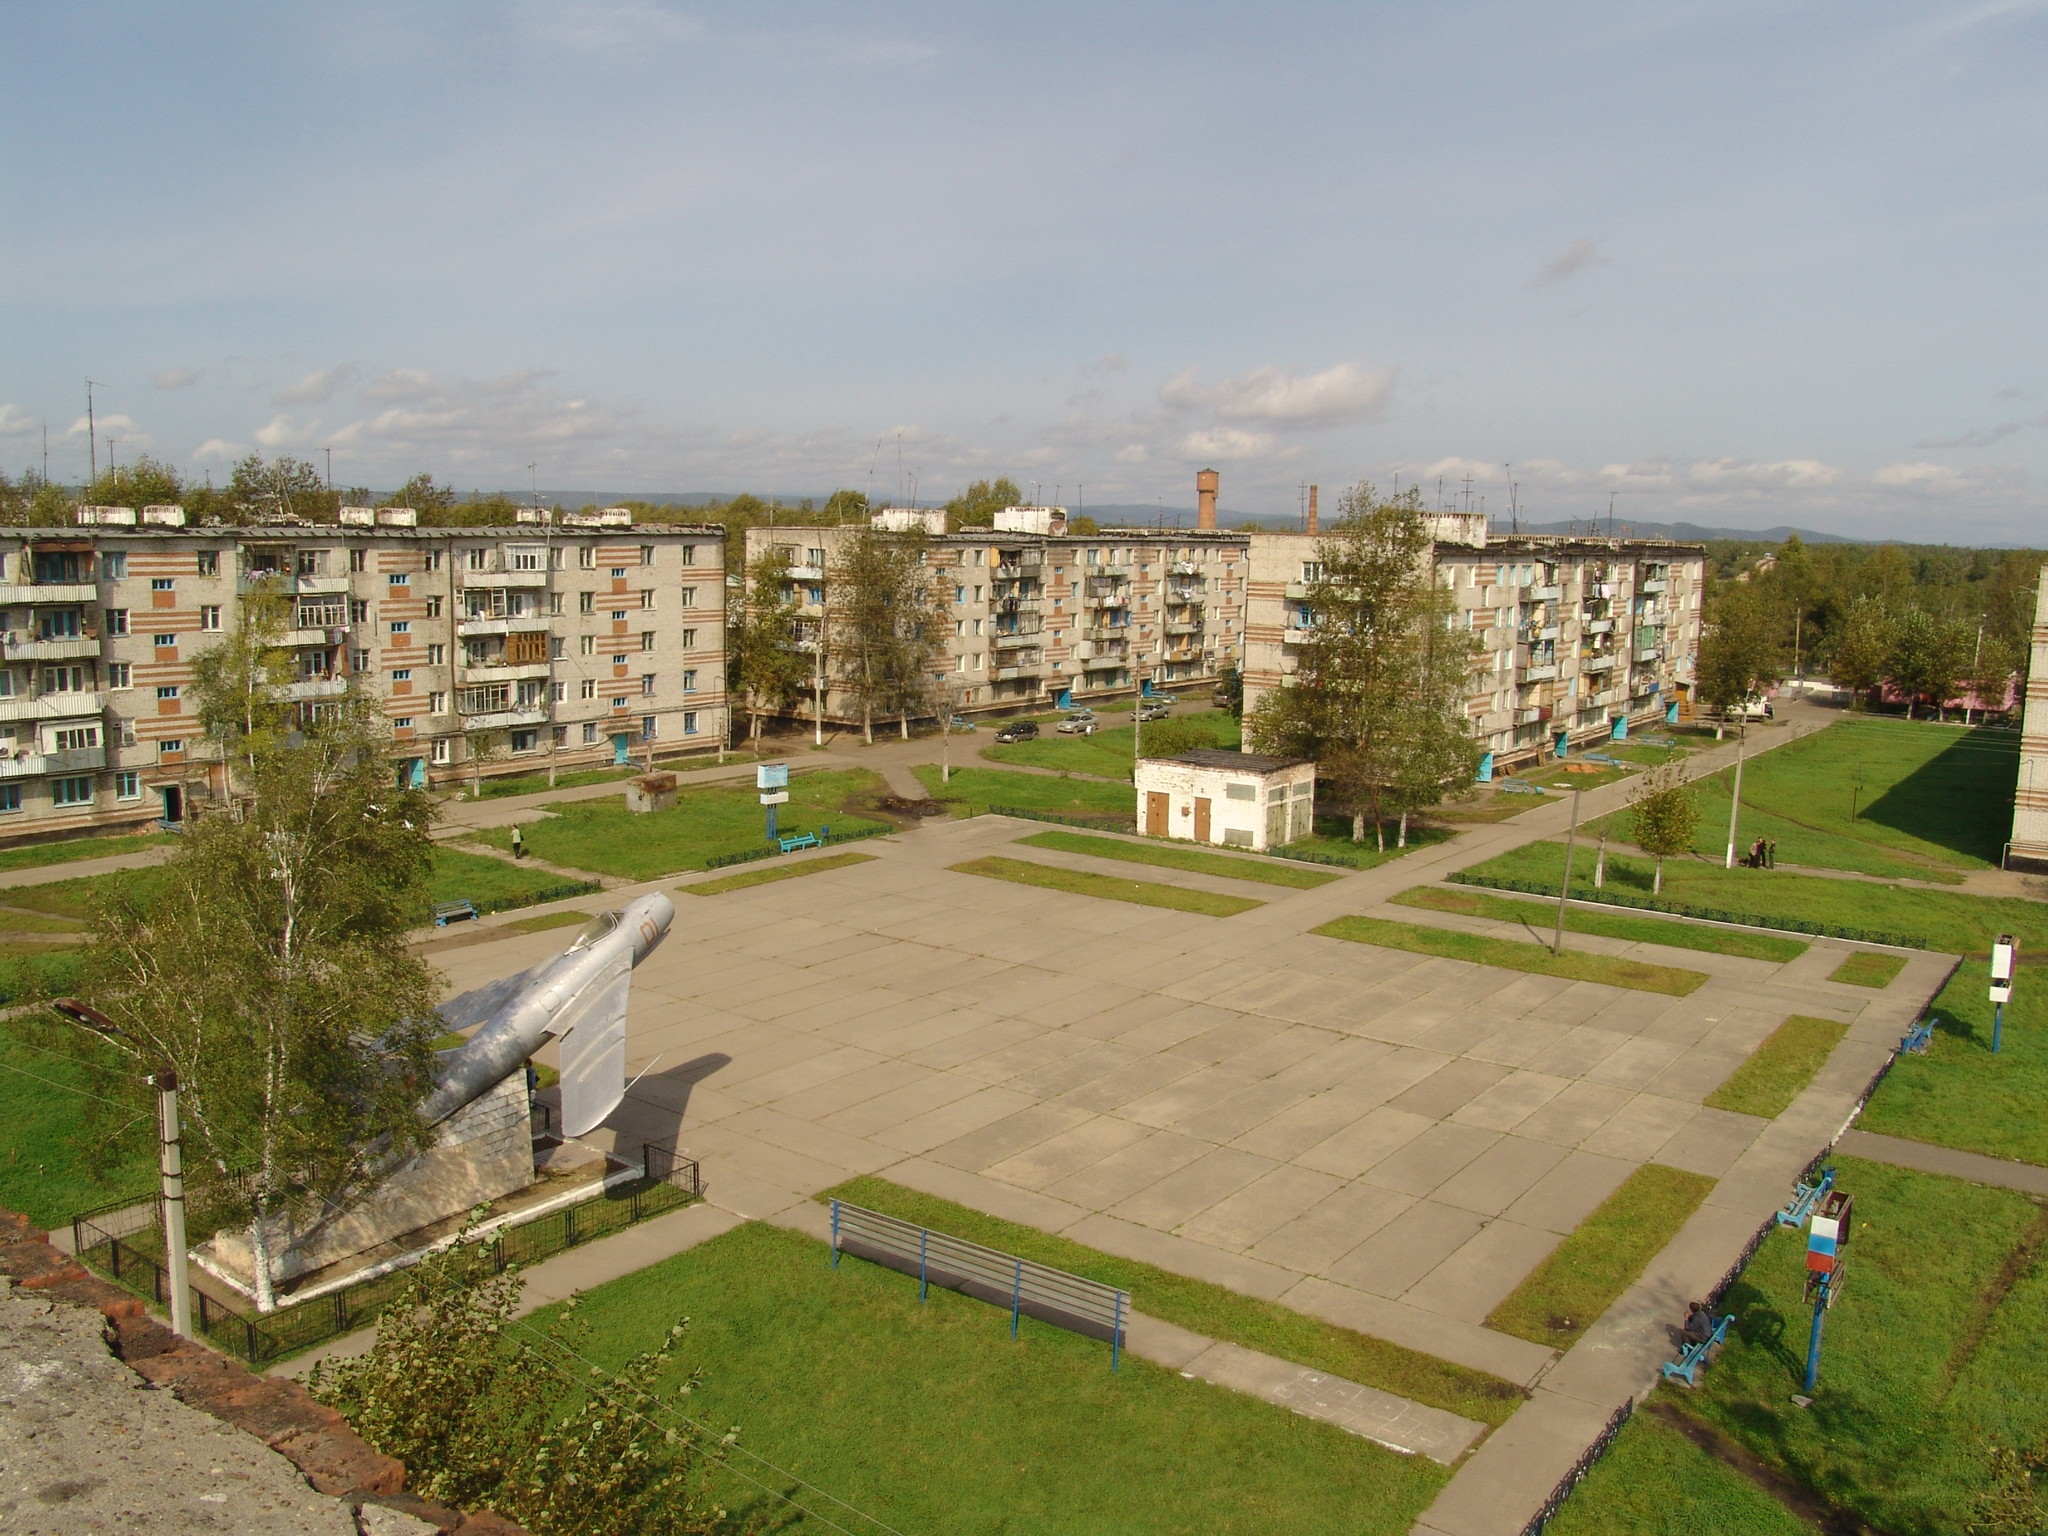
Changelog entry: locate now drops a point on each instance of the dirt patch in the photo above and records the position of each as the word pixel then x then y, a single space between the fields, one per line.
pixel 897 810
pixel 2017 1263
pixel 1795 1497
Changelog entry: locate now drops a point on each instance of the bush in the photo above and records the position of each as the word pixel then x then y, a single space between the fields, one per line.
pixel 1170 738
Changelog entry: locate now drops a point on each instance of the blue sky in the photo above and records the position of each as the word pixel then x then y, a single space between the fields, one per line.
pixel 1740 263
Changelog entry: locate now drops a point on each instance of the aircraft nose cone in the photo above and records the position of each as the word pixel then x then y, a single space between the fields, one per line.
pixel 648 920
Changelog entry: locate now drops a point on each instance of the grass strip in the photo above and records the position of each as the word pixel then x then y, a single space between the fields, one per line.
pixel 1192 860
pixel 1654 1481
pixel 974 790
pixel 1866 968
pixel 1564 1295
pixel 540 922
pixel 740 882
pixel 39 855
pixel 1513 955
pixel 1212 1310
pixel 1639 930
pixel 1779 1070
pixel 1080 883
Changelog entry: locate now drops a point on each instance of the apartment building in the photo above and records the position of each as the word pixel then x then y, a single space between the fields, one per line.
pixel 1038 615
pixel 522 647
pixel 2029 846
pixel 1577 634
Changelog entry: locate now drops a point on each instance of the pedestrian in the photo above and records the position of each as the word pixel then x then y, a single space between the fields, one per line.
pixel 1771 854
pixel 518 843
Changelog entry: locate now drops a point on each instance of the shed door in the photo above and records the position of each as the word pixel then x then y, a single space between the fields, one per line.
pixel 1276 825
pixel 1155 815
pixel 1201 820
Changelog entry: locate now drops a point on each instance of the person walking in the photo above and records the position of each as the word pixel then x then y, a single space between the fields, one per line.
pixel 518 842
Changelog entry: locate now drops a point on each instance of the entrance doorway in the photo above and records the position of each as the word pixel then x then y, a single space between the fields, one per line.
pixel 174 804
pixel 1201 820
pixel 621 750
pixel 1155 814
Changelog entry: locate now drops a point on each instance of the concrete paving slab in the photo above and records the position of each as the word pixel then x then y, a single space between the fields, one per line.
pixel 1431 1158
pixel 1570 1192
pixel 1240 1220
pixel 1368 1140
pixel 1499 1176
pixel 1411 1245
pixel 1367 1412
pixel 1331 1228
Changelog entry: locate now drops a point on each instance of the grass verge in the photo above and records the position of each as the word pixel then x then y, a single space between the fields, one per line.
pixel 1192 860
pixel 1779 1070
pixel 1076 882
pixel 973 790
pixel 930 1418
pixel 1655 1482
pixel 1107 754
pixel 769 876
pixel 1639 930
pixel 1513 955
pixel 540 922
pixel 1942 920
pixel 65 1151
pixel 1867 968
pixel 1564 1295
pixel 1212 1310
pixel 1959 1094
pixel 493 884
pixel 41 855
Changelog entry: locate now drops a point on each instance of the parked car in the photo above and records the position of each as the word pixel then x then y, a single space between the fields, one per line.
pixel 1153 709
pixel 1755 707
pixel 1077 725
pixel 959 723
pixel 1017 730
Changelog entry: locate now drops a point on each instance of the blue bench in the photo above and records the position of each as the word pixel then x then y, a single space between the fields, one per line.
pixel 1804 1198
pixel 1600 757
pixel 1657 741
pixel 1918 1038
pixel 446 912
pixel 816 839
pixel 1686 1367
pixel 1517 787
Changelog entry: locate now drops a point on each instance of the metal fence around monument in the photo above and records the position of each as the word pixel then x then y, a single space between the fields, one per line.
pixel 123 1241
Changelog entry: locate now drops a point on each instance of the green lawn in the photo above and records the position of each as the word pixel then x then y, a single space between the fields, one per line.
pixel 1145 893
pixel 974 790
pixel 1888 798
pixel 1930 1360
pixel 1564 1295
pixel 40 855
pixel 1107 754
pixel 1513 955
pixel 61 1153
pixel 537 783
pixel 1539 916
pixel 1959 1094
pixel 1778 1071
pixel 775 872
pixel 1868 968
pixel 604 837
pixel 493 884
pixel 1176 856
pixel 1655 1482
pixel 931 1418
pixel 1941 920
pixel 1332 839
pixel 1211 1310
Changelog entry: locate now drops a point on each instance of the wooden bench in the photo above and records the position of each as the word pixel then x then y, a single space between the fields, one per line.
pixel 801 840
pixel 446 912
pixel 1600 757
pixel 1918 1038
pixel 1686 1367
pixel 1517 787
pixel 1656 741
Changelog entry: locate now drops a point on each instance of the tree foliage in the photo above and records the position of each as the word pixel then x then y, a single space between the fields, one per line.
pixel 1379 697
pixel 766 670
pixel 1739 648
pixel 977 505
pixel 885 613
pixel 1862 652
pixel 1664 816
pixel 1929 658
pixel 1172 736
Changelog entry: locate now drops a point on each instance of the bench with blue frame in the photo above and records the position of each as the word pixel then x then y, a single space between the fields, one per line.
pixel 446 912
pixel 1600 757
pixel 1657 741
pixel 1919 1037
pixel 1686 1367
pixel 816 839
pixel 1517 787
pixel 1804 1198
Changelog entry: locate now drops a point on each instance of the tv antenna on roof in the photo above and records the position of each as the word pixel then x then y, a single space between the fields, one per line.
pixel 92 441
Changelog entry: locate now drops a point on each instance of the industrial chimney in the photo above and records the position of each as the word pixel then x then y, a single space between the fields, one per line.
pixel 1311 509
pixel 1206 482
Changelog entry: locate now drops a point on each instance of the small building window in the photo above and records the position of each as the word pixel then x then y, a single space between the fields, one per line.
pixel 402 675
pixel 76 791
pixel 399 579
pixel 402 723
pixel 689 553
pixel 647 554
pixel 127 786
pixel 589 731
pixel 114 565
pixel 117 674
pixel 618 573
pixel 166 642
pixel 586 558
pixel 589 690
pixel 689 679
pixel 359 560
pixel 162 584
pixel 647 685
pixel 117 621
pixel 526 741
pixel 207 563
pixel 619 702
pixel 167 691
pixel 689 595
pixel 689 722
pixel 441 751
pixel 586 602
pixel 209 617
pixel 401 627
pixel 10 798
pixel 689 639
pixel 646 599
pixel 646 639
pixel 647 723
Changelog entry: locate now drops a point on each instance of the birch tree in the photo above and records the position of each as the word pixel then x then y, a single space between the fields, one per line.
pixel 885 625
pixel 1665 814
pixel 768 671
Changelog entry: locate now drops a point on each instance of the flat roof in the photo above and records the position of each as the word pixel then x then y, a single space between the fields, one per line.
pixel 281 531
pixel 1239 762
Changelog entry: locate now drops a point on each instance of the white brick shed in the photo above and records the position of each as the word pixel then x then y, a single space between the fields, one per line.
pixel 1240 799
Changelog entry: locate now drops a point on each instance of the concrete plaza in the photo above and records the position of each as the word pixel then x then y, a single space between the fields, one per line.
pixel 1382 1139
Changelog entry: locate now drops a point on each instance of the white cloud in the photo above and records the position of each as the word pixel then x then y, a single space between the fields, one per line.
pixel 1225 443
pixel 1921 477
pixel 215 448
pixel 15 422
pixel 281 432
pixel 1786 474
pixel 316 386
pixel 123 427
pixel 1133 453
pixel 1334 397
pixel 174 378
pixel 1568 263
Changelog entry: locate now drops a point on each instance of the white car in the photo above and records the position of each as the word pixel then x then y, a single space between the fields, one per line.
pixel 1077 725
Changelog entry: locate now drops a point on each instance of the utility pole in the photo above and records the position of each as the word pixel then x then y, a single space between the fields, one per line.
pixel 818 675
pixel 92 441
pixel 1564 891
pixel 330 467
pixel 1735 800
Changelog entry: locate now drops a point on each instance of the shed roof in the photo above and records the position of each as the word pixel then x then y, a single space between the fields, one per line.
pixel 1242 762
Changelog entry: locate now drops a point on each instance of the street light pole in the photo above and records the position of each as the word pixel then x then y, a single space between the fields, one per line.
pixel 1735 800
pixel 1564 891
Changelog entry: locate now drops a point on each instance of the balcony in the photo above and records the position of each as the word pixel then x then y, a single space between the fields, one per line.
pixel 1648 654
pixel 523 625
pixel 1184 568
pixel 1186 597
pixel 1184 627
pixel 21 647
pixel 23 595
pixel 1545 594
pixel 805 572
pixel 1542 674
pixel 1599 626
pixel 53 706
pixel 310 637
pixel 314 688
pixel 283 583
pixel 1107 600
pixel 1010 674
pixel 1010 642
pixel 330 586
pixel 1099 650
pixel 1296 590
pixel 505 719
pixel 1018 604
pixel 504 579
pixel 1297 634
pixel 30 765
pixel 504 672
pixel 1102 663
pixel 1594 664
pixel 1653 586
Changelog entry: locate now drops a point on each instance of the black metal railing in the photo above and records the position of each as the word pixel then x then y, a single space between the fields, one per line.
pixel 1608 898
pixel 1577 1475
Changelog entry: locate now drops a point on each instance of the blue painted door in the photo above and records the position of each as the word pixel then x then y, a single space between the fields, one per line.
pixel 1561 744
pixel 621 745
pixel 1621 727
pixel 1065 699
pixel 1486 768
pixel 1671 713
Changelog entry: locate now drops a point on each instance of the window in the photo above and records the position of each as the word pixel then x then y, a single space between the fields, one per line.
pixel 586 558
pixel 10 797
pixel 619 660
pixel 647 554
pixel 77 738
pixel 166 642
pixel 441 751
pixel 557 692
pixel 526 741
pixel 64 680
pixel 586 602
pixel 358 611
pixel 127 786
pixel 114 566
pixel 589 688
pixel 555 604
pixel 117 674
pixel 209 617
pixel 689 679
pixel 401 627
pixel 402 723
pixel 167 691
pixel 646 599
pixel 959 594
pixel 402 675
pixel 558 735
pixel 619 702
pixel 618 615
pixel 162 584
pixel 589 732
pixel 646 685
pixel 814 557
pixel 618 573
pixel 646 639
pixel 587 645
pixel 476 559
pixel 399 579
pixel 437 655
pixel 689 722
pixel 485 698
pixel 689 553
pixel 437 703
pixel 117 621
pixel 359 661
pixel 433 607
pixel 647 727
pixel 76 791
pixel 525 557
pixel 358 560
pixel 208 563
pixel 689 639
pixel 689 595
pixel 433 559
pixel 557 647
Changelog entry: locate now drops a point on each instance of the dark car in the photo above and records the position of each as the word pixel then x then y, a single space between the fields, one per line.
pixel 1017 730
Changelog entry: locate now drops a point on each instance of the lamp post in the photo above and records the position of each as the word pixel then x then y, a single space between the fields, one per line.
pixel 1735 800
pixel 2004 954
pixel 1564 891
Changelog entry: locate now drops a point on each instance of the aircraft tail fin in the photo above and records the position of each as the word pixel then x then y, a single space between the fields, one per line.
pixel 592 1042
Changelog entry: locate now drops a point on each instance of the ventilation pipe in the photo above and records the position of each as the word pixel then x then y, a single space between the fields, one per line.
pixel 1311 509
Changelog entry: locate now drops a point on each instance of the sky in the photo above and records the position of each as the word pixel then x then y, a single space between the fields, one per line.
pixel 1745 264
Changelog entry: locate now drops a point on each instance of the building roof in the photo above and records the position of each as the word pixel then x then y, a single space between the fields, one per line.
pixel 1241 762
pixel 269 533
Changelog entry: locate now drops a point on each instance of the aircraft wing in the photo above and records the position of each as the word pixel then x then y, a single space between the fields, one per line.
pixel 476 1007
pixel 590 1031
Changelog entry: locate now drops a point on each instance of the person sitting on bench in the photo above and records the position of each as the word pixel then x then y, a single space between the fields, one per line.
pixel 1699 1323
